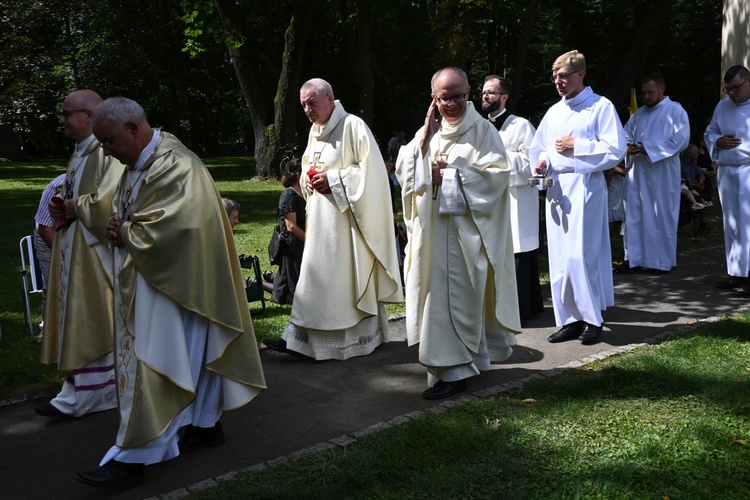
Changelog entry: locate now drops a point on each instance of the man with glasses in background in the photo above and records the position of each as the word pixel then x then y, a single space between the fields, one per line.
pixel 461 305
pixel 728 141
pixel 78 330
pixel 516 133
pixel 579 138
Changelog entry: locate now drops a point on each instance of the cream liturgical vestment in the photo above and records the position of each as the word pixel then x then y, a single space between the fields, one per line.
pixel 653 193
pixel 349 268
pixel 78 331
pixel 580 258
pixel 179 292
pixel 461 303
pixel 734 181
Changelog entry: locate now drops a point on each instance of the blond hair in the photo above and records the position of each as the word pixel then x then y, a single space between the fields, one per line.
pixel 574 59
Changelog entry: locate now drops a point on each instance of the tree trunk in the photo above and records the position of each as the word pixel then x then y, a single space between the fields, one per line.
pixel 364 61
pixel 272 117
pixel 523 44
pixel 648 16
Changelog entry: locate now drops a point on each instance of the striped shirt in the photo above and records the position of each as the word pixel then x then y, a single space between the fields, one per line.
pixel 42 217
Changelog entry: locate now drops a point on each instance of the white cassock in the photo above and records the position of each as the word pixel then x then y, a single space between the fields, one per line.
pixel 517 134
pixel 349 268
pixel 580 258
pixel 734 181
pixel 461 303
pixel 653 193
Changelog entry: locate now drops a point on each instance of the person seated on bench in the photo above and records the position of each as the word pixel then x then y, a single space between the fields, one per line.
pixel 692 179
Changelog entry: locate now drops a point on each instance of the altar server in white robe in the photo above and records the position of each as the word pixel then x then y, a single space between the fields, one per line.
pixel 579 138
pixel 656 134
pixel 185 349
pixel 350 269
pixel 461 303
pixel 78 312
pixel 728 141
pixel 517 134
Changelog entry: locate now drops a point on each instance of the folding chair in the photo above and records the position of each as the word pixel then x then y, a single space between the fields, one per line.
pixel 254 291
pixel 31 277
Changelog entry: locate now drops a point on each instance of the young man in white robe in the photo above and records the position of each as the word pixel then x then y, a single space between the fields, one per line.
pixel 185 346
pixel 728 141
pixel 517 134
pixel 579 138
pixel 656 135
pixel 350 269
pixel 78 305
pixel 461 304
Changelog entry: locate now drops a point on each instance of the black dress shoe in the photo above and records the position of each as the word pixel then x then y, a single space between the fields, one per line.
pixel 744 290
pixel 442 390
pixel 113 474
pixel 568 332
pixel 196 438
pixel 621 268
pixel 590 334
pixel 733 282
pixel 48 410
pixel 280 346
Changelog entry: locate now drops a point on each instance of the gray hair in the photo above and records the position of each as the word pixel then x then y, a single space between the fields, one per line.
pixel 119 110
pixel 318 85
pixel 230 206
pixel 456 70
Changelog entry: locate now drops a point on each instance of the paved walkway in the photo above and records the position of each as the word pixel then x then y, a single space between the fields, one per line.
pixel 329 404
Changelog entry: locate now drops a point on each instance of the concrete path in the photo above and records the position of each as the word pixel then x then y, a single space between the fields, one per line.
pixel 309 403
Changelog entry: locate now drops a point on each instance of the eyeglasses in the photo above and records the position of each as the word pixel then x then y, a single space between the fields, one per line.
pixel 455 98
pixel 561 76
pixel 735 88
pixel 485 94
pixel 67 113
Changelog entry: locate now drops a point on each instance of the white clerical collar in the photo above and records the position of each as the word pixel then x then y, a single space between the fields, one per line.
pixel 582 96
pixel 147 151
pixel 493 118
pixel 83 145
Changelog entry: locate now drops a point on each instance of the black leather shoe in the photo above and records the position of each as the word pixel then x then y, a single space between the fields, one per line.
pixel 442 390
pixel 590 334
pixel 113 474
pixel 733 282
pixel 48 410
pixel 744 290
pixel 621 268
pixel 568 332
pixel 280 346
pixel 196 438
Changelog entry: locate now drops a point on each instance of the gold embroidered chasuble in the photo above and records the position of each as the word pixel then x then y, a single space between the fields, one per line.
pixel 177 237
pixel 78 325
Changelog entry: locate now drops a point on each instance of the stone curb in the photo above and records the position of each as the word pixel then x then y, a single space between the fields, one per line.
pixel 343 442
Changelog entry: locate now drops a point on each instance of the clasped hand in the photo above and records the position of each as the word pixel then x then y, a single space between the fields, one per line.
pixel 114 226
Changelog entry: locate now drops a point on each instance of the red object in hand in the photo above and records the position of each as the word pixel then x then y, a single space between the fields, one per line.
pixel 313 172
pixel 63 221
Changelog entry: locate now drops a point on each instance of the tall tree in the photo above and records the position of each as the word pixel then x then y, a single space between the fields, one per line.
pixel 271 109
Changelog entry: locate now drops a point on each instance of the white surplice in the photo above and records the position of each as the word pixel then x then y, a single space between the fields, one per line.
pixel 653 192
pixel 734 181
pixel 580 257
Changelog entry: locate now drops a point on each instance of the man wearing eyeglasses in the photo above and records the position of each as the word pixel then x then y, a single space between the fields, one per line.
pixel 516 133
pixel 579 138
pixel 728 141
pixel 656 135
pixel 461 304
pixel 78 332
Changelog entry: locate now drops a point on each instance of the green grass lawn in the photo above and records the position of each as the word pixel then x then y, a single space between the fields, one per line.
pixel 670 421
